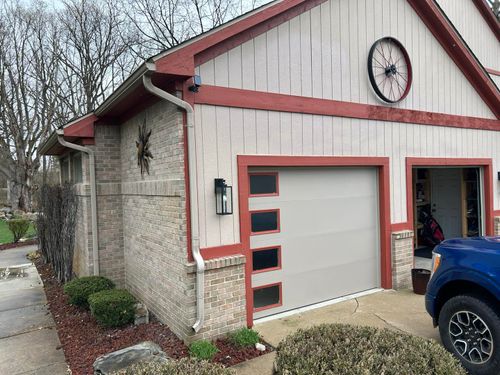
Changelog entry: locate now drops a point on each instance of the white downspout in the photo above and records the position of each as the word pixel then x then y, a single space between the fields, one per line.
pixel 93 195
pixel 195 240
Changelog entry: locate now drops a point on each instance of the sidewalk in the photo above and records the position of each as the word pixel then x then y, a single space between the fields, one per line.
pixel 28 338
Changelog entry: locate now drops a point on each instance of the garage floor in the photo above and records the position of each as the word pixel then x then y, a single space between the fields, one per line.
pixel 398 310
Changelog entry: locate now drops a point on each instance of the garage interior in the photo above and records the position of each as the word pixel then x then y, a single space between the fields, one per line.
pixel 450 197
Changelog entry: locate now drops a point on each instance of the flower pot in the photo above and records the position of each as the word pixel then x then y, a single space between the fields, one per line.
pixel 420 278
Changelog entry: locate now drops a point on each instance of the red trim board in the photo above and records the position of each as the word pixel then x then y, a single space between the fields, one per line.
pixel 221 251
pixel 247 161
pixel 81 128
pixel 230 97
pixel 487 183
pixel 493 71
pixel 488 16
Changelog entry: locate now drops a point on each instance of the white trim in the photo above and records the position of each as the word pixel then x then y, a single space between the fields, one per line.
pixel 316 306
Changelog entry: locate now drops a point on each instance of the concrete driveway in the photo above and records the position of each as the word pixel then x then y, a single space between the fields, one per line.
pixel 401 311
pixel 28 339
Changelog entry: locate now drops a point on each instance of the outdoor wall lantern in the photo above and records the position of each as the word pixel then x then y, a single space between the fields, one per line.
pixel 223 197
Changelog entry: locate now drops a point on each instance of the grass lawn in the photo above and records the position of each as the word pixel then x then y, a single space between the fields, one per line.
pixel 6 236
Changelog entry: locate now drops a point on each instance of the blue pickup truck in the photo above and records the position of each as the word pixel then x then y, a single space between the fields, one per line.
pixel 463 298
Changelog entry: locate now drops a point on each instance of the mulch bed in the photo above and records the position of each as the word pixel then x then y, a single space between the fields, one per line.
pixel 6 246
pixel 230 355
pixel 83 340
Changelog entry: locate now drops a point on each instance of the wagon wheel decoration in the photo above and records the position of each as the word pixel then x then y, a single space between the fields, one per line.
pixel 389 69
pixel 143 153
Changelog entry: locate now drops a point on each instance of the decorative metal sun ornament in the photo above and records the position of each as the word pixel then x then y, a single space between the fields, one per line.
pixel 143 153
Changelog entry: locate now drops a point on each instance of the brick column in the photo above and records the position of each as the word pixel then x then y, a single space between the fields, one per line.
pixel 402 258
pixel 496 228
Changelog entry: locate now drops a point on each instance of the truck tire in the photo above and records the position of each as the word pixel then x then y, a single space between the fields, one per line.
pixel 470 329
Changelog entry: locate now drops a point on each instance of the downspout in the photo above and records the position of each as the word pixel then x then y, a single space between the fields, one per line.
pixel 195 240
pixel 93 194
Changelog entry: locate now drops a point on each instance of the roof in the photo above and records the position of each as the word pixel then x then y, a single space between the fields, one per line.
pixel 178 63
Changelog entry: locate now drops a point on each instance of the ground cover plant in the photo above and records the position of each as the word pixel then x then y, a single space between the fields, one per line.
pixel 244 337
pixel 350 350
pixel 183 366
pixel 203 349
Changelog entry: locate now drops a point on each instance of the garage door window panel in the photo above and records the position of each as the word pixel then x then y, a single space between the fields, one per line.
pixel 264 184
pixel 265 221
pixel 266 259
pixel 267 297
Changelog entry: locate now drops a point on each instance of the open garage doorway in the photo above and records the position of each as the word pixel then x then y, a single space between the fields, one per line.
pixel 447 204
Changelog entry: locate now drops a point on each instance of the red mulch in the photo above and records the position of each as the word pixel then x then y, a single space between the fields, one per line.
pixel 230 355
pixel 6 246
pixel 83 340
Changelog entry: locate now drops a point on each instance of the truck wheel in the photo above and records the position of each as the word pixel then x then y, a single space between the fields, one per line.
pixel 470 329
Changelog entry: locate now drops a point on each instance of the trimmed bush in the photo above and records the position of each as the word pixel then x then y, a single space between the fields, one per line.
pixel 112 308
pixel 180 367
pixel 244 337
pixel 18 228
pixel 79 290
pixel 203 349
pixel 350 350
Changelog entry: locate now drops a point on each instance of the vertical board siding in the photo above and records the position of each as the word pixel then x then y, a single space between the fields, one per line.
pixel 323 53
pixel 474 30
pixel 223 133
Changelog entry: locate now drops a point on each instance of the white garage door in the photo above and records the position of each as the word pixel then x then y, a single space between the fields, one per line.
pixel 315 235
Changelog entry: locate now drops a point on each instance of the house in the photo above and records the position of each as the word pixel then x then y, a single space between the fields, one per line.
pixel 287 158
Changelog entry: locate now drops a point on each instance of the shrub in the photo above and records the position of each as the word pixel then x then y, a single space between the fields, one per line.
pixel 182 366
pixel 244 337
pixel 203 349
pixel 18 228
pixel 349 350
pixel 80 289
pixel 112 308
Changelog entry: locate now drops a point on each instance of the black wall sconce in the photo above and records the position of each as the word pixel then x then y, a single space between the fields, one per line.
pixel 223 197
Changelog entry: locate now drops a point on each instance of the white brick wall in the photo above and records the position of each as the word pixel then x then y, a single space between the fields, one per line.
pixel 402 258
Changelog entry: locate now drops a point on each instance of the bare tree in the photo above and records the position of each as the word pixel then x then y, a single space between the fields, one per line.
pixel 96 54
pixel 164 24
pixel 495 5
pixel 28 103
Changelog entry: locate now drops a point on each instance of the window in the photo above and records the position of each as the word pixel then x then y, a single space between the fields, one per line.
pixel 266 259
pixel 263 184
pixel 267 297
pixel 265 221
pixel 65 177
pixel 76 168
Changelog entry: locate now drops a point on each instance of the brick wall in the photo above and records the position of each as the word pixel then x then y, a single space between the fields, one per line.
pixel 402 258
pixel 143 228
pixel 224 297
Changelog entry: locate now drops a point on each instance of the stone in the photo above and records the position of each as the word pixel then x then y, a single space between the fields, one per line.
pixel 260 347
pixel 141 314
pixel 146 351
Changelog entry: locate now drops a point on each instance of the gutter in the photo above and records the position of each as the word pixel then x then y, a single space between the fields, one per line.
pixel 93 194
pixel 195 238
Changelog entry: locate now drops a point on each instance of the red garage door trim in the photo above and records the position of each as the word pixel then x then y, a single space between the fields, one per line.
pixel 247 161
